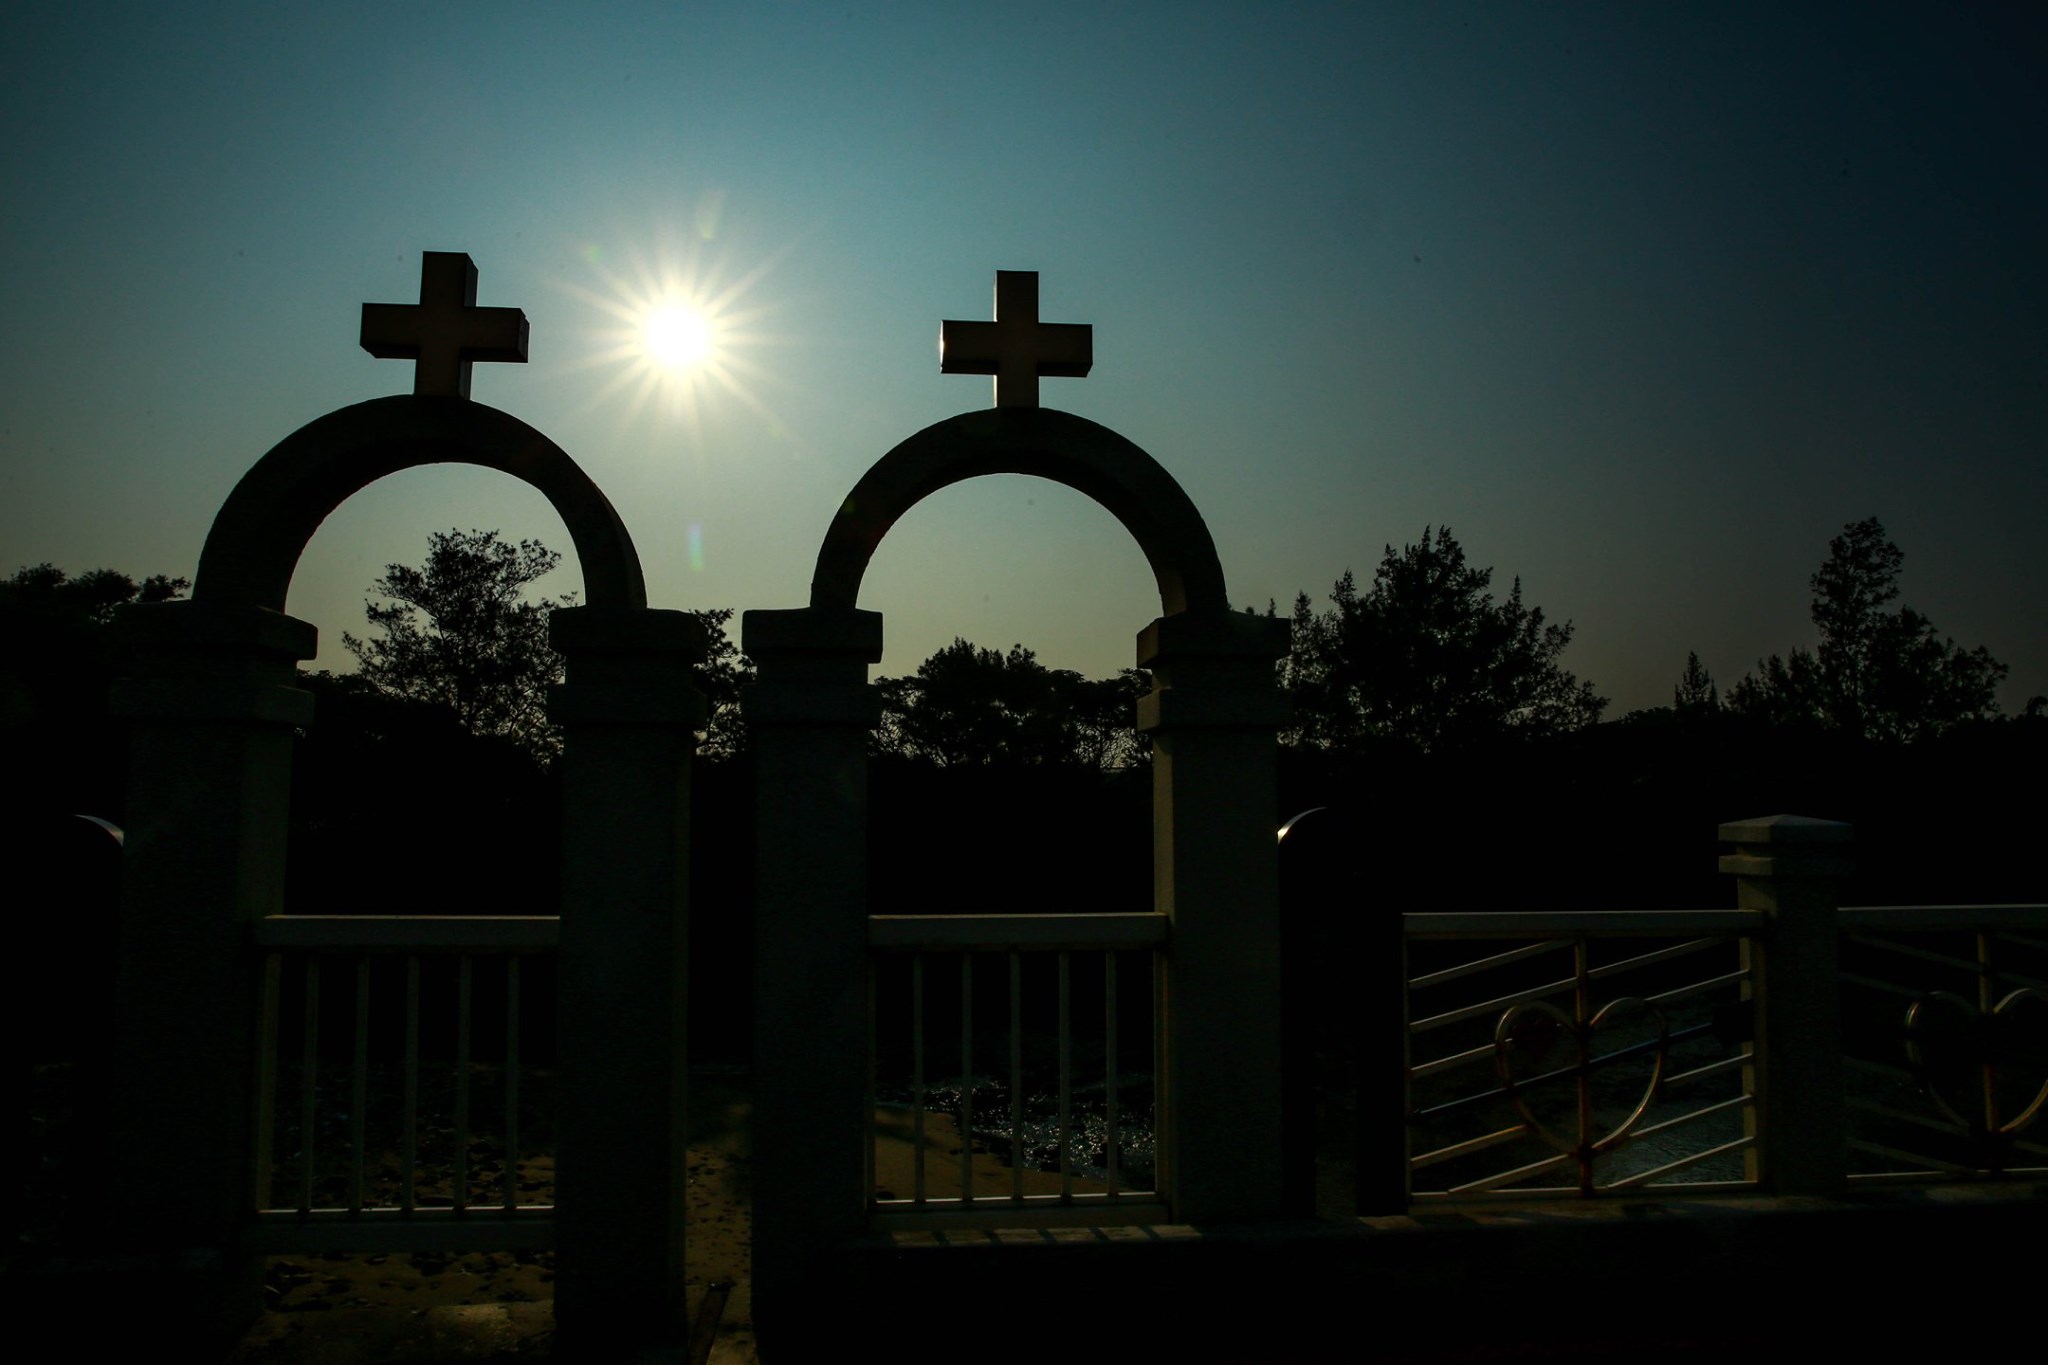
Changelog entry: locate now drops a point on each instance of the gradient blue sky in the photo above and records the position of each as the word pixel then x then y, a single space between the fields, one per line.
pixel 1644 301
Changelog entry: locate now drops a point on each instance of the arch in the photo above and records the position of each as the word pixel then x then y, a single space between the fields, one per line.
pixel 263 527
pixel 1093 460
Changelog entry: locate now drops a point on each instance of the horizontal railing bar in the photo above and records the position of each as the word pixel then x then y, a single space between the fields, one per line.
pixel 373 933
pixel 1690 946
pixel 1885 1111
pixel 1469 1145
pixel 1964 964
pixel 1691 1159
pixel 1886 987
pixel 2027 941
pixel 1480 964
pixel 1452 1061
pixel 985 933
pixel 1679 1121
pixel 1518 1173
pixel 1678 993
pixel 1709 1070
pixel 531 1228
pixel 1689 1190
pixel 1434 924
pixel 1934 1165
pixel 1561 1073
pixel 984 1213
pixel 1918 1177
pixel 1499 1002
pixel 1964 917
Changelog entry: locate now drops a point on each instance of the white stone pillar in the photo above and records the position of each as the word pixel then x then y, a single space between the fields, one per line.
pixel 811 711
pixel 211 708
pixel 1212 715
pixel 629 712
pixel 1788 866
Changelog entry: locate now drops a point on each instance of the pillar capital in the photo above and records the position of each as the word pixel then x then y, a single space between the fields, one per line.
pixel 628 666
pixel 1788 846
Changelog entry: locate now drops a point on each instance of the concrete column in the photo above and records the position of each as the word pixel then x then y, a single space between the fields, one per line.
pixel 630 712
pixel 211 709
pixel 1788 866
pixel 811 711
pixel 1212 716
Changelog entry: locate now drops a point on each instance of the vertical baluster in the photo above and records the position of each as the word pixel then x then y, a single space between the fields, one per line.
pixel 309 1078
pixel 1582 1013
pixel 1114 1138
pixel 966 1077
pixel 460 1180
pixel 359 1085
pixel 1162 1130
pixel 409 1123
pixel 917 1078
pixel 263 1168
pixel 511 1081
pixel 1066 1043
pixel 1016 1076
pixel 873 1043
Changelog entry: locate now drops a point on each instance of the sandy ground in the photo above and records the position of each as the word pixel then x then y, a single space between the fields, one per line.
pixel 345 1308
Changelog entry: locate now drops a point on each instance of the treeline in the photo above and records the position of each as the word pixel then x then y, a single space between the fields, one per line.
pixel 1421 701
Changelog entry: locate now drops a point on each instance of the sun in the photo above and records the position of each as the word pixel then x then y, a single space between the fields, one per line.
pixel 679 337
pixel 678 324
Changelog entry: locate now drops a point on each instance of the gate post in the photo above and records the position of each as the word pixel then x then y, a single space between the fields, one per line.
pixel 1213 713
pixel 211 708
pixel 1789 867
pixel 629 712
pixel 811 710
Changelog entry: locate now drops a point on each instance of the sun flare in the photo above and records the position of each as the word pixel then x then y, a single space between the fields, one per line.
pixel 678 337
pixel 678 326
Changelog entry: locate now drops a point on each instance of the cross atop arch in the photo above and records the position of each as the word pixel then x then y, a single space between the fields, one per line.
pixel 445 331
pixel 1016 348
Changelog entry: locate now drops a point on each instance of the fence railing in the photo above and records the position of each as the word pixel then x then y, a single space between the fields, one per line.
pixel 1013 1068
pixel 398 1104
pixel 1612 1050
pixel 1790 1045
pixel 1946 1040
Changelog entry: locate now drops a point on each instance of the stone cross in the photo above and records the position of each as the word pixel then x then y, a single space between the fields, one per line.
pixel 445 331
pixel 1016 348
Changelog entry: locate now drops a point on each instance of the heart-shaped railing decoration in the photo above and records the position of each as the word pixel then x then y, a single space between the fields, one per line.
pixel 1984 1036
pixel 1586 1147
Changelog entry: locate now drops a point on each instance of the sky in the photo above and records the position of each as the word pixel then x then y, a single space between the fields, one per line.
pixel 1646 303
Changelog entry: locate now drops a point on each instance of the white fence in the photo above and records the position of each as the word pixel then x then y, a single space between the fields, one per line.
pixel 1014 1068
pixel 392 1079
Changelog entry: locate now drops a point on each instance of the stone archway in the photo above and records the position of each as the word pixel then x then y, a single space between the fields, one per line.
pixel 1212 716
pixel 213 706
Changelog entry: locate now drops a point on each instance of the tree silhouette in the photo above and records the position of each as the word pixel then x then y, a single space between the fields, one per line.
pixel 1878 673
pixel 966 706
pixel 1695 694
pixel 1427 659
pixel 58 743
pixel 459 632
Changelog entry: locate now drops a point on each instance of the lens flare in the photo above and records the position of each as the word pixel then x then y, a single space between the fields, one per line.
pixel 679 323
pixel 678 336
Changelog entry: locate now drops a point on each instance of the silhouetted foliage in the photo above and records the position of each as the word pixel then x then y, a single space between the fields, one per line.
pixel 58 744
pixel 1426 659
pixel 966 706
pixel 723 677
pixel 458 632
pixel 1878 673
pixel 1696 694
pixel 482 650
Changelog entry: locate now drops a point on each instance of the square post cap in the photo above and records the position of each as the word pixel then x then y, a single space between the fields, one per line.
pixel 1788 846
